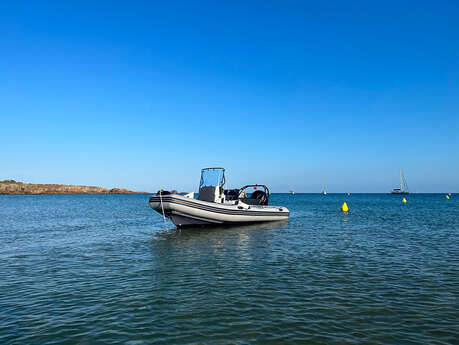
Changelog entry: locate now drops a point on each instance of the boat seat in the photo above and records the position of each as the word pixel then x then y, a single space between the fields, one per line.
pixel 209 193
pixel 257 198
pixel 231 194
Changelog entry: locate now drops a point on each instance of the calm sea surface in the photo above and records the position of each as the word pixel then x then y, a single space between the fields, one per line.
pixel 101 269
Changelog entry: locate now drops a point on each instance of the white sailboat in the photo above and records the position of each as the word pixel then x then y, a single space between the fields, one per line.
pixel 403 186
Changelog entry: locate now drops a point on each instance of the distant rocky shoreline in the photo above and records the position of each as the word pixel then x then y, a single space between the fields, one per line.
pixel 12 187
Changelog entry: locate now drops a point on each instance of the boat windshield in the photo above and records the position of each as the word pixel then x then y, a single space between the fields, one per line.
pixel 212 177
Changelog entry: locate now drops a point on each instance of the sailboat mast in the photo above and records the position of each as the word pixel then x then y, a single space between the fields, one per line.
pixel 401 188
pixel 405 185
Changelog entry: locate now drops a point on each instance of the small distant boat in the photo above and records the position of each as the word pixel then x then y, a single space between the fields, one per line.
pixel 292 191
pixel 403 186
pixel 324 192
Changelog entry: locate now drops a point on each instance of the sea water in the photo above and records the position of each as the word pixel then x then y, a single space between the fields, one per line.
pixel 102 269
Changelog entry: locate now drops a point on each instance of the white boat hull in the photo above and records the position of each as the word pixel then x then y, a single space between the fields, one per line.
pixel 185 211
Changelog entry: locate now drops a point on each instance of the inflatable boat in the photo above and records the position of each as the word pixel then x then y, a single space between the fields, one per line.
pixel 215 205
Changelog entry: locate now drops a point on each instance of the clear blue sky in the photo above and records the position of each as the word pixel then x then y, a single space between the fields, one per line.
pixel 288 93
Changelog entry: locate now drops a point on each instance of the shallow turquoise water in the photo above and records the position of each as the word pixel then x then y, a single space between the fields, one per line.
pixel 100 269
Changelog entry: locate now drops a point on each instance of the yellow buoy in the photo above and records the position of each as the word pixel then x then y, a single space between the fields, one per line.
pixel 449 194
pixel 344 207
pixel 447 197
pixel 404 200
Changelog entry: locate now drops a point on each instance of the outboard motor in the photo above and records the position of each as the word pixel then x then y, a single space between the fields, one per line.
pixel 260 196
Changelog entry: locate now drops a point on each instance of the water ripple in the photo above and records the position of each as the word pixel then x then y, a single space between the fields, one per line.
pixel 88 269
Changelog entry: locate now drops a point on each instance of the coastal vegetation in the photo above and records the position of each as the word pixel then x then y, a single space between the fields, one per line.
pixel 14 187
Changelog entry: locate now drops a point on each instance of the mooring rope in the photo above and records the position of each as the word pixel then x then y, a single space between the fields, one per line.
pixel 162 208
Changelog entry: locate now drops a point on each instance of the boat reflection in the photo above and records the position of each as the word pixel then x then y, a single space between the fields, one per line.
pixel 218 231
